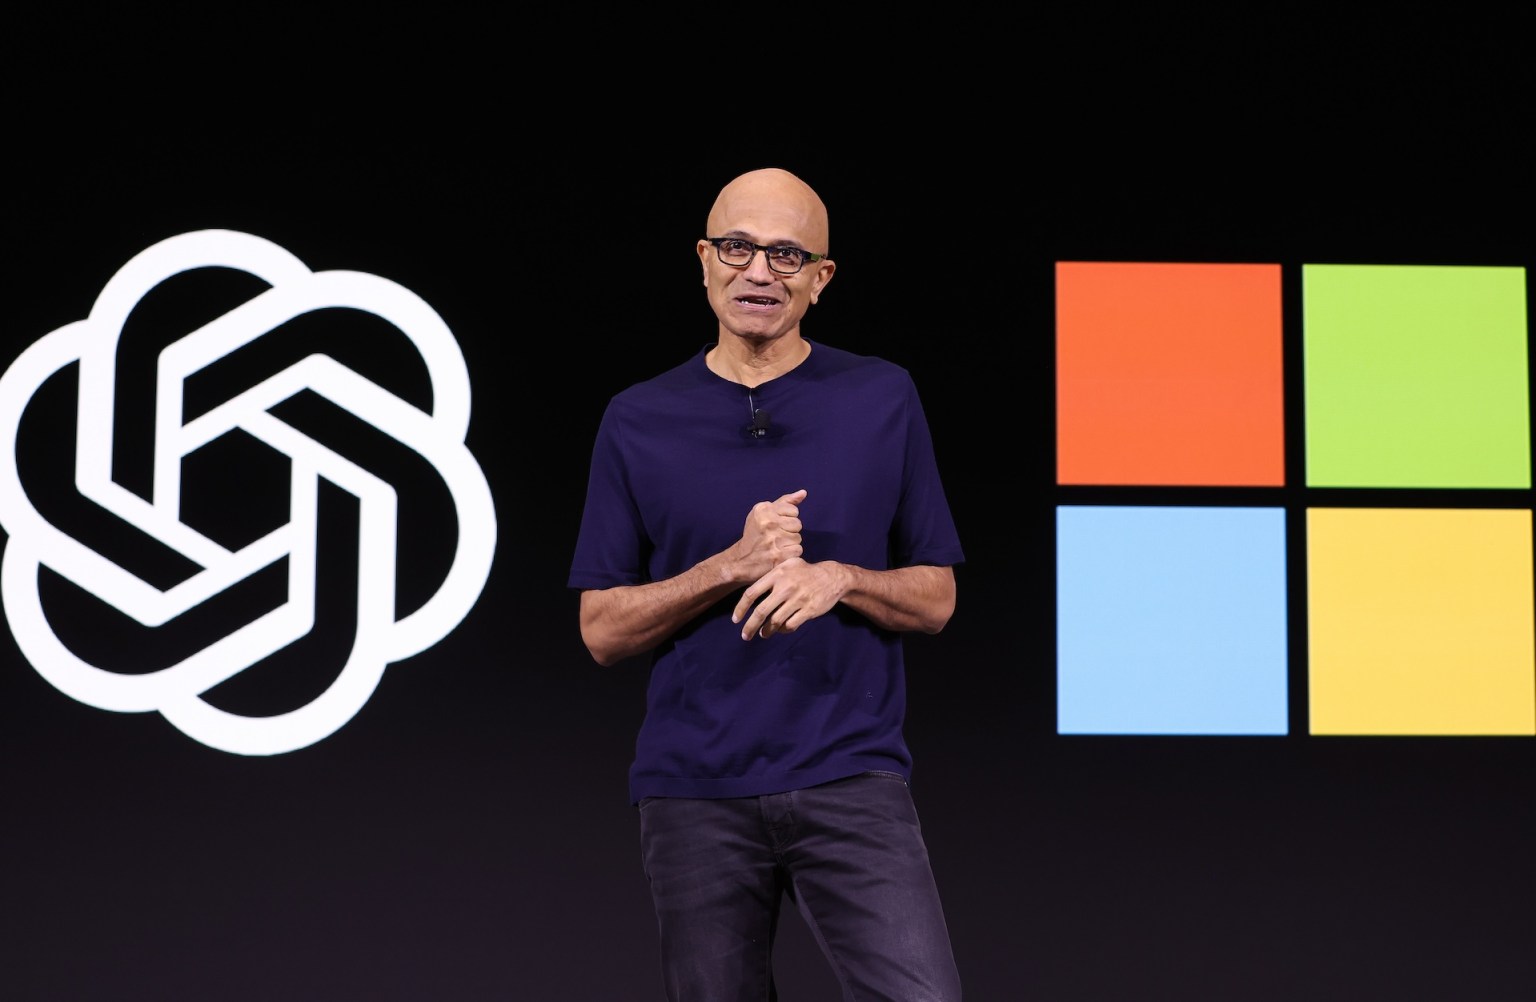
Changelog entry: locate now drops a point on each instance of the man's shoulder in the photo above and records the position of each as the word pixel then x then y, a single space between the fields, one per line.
pixel 840 362
pixel 686 373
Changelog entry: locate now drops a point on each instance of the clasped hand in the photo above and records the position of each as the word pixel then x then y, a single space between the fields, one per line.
pixel 790 591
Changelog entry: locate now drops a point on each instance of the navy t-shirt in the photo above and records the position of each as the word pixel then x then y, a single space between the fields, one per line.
pixel 675 470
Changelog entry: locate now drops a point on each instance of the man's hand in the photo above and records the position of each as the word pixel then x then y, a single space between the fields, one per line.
pixel 791 594
pixel 916 598
pixel 770 536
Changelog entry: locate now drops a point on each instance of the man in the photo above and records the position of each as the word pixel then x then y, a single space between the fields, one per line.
pixel 765 520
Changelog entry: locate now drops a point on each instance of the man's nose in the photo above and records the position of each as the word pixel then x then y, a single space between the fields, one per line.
pixel 757 265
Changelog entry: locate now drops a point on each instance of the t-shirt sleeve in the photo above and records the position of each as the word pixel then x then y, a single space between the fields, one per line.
pixel 925 530
pixel 610 543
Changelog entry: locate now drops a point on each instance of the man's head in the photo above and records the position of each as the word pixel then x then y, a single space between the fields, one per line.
pixel 771 208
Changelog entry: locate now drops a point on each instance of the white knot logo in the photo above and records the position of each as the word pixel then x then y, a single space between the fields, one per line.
pixel 177 690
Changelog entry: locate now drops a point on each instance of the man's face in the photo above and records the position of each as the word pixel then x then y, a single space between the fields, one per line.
pixel 754 301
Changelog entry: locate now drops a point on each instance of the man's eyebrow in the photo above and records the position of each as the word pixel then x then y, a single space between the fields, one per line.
pixel 785 242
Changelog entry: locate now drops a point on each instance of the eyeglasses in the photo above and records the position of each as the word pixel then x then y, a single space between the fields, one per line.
pixel 785 260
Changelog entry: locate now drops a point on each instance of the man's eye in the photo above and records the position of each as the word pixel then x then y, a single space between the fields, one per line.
pixel 787 255
pixel 736 247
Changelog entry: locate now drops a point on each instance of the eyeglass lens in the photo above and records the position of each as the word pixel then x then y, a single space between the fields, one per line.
pixel 738 253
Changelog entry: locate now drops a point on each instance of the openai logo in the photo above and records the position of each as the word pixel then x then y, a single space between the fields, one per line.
pixel 39 554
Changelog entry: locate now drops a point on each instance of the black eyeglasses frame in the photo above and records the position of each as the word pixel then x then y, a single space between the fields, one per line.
pixel 806 257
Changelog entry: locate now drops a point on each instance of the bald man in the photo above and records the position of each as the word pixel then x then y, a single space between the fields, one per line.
pixel 765 521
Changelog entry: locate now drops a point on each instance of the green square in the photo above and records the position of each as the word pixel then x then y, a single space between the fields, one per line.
pixel 1415 376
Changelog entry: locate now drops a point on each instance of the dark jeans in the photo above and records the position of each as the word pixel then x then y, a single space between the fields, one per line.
pixel 850 854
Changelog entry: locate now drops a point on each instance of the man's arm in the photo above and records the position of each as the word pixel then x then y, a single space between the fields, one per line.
pixel 620 622
pixel 918 598
pixel 626 620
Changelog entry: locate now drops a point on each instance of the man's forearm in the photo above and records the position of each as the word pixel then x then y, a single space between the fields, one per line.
pixel 621 622
pixel 919 598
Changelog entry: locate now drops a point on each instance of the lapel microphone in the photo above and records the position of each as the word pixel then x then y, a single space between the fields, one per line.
pixel 759 426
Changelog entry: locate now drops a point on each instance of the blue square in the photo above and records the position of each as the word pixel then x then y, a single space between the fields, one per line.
pixel 1170 620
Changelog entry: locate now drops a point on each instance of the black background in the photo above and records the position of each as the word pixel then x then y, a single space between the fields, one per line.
pixel 467 835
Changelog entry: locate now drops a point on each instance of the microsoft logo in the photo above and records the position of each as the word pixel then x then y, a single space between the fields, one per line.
pixel 1275 483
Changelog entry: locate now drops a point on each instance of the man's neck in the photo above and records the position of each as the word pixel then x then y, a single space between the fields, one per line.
pixel 753 363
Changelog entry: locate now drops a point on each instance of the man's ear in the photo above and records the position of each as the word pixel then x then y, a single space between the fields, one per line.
pixel 824 270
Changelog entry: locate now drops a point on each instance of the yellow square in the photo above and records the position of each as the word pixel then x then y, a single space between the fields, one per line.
pixel 1420 621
